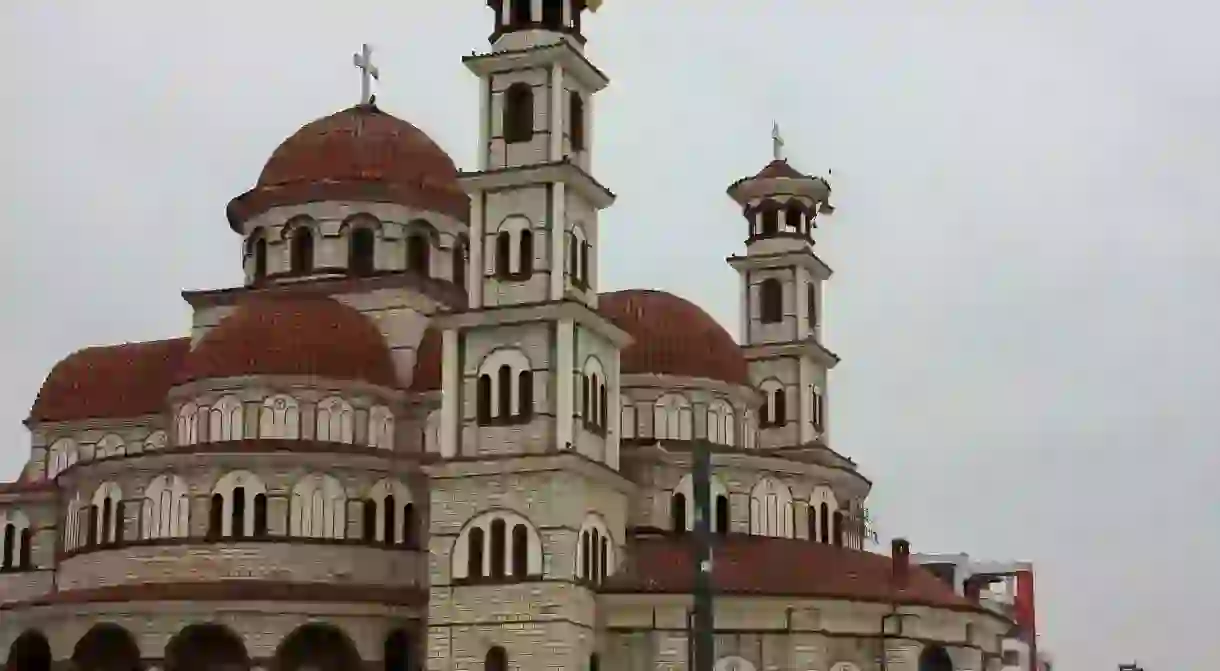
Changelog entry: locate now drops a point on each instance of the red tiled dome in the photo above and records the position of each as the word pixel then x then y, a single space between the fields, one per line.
pixel 112 382
pixel 311 335
pixel 673 336
pixel 360 153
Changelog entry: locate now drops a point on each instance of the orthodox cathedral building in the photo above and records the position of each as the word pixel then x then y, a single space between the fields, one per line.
pixel 419 436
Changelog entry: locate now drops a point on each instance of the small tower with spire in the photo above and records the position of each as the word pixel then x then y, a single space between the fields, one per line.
pixel 781 299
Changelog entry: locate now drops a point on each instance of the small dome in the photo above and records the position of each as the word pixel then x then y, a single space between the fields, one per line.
pixel 312 335
pixel 673 336
pixel 360 153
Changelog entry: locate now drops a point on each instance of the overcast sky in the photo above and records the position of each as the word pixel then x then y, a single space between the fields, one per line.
pixel 1025 245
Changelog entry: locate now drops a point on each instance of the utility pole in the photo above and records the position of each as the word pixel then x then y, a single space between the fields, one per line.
pixel 704 620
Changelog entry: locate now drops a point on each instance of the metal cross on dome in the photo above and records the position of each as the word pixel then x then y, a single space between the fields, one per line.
pixel 368 72
pixel 777 142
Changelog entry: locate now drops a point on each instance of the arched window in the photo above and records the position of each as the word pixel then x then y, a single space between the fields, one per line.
pixel 771 301
pixel 518 112
pixel 672 418
pixel 483 400
pixel 525 394
pixel 576 107
pixel 188 424
pixel 521 551
pixel 335 421
pixel 770 221
pixel 301 249
pixel 167 509
pixel 318 509
pixel 774 411
pixel 504 380
pixel 686 490
pixel 258 250
pixel 811 305
pixel 239 507
pixel 392 513
pixel 794 218
pixel 504 246
pixel 522 13
pixel 225 420
pixel 721 421
pixel 110 445
pixel 824 513
pixel 771 511
pixel 525 252
pixel 677 513
pixel 497 658
pixel 63 453
pixel 419 253
pixel 15 535
pixel 498 541
pixel 497 545
pixel 108 515
pixel 722 514
pixel 837 529
pixel 361 251
pixel 280 417
pixel 593 550
pixel 819 409
pixel 381 427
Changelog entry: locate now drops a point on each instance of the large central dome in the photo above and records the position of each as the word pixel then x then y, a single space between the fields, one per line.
pixel 360 153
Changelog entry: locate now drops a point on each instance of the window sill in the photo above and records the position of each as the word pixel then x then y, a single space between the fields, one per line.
pixel 506 580
pixel 517 420
pixel 514 277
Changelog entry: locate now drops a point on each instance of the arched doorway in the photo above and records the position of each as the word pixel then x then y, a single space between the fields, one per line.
pixel 206 647
pixel 935 658
pixel 106 647
pixel 30 652
pixel 317 647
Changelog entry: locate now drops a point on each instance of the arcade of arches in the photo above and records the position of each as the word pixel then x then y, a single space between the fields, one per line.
pixel 214 647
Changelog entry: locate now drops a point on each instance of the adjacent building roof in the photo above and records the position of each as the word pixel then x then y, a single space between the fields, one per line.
pixel 118 381
pixel 360 153
pixel 673 336
pixel 759 566
pixel 298 335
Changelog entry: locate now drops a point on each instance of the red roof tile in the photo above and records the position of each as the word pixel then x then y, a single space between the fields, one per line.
pixel 780 168
pixel 294 335
pixel 110 382
pixel 360 153
pixel 673 336
pixel 754 565
pixel 427 375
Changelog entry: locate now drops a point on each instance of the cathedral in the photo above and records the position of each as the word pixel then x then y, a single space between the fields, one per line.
pixel 419 436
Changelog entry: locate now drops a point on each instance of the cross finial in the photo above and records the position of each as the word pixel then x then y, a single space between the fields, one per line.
pixel 777 142
pixel 368 72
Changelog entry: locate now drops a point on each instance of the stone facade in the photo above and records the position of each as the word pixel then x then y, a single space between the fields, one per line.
pixel 417 441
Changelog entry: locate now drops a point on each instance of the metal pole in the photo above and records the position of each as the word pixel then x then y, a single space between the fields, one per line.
pixel 705 619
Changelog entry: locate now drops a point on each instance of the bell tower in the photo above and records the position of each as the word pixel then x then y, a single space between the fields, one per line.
pixel 781 299
pixel 528 510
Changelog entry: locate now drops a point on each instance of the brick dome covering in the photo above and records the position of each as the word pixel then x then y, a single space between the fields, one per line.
pixel 119 381
pixel 314 335
pixel 362 154
pixel 427 372
pixel 673 336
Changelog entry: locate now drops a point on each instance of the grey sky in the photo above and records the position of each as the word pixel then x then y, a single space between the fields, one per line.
pixel 1025 244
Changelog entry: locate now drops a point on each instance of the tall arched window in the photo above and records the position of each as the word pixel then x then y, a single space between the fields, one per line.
pixel 504 381
pixel 819 409
pixel 521 551
pixel 258 253
pixel 318 509
pixel 770 221
pixel 576 106
pixel 771 509
pixel 811 305
pixel 552 14
pixel 794 218
pixel 504 253
pixel 419 253
pixel 677 513
pixel 474 553
pixel 301 249
pixel 166 511
pixel 361 248
pixel 525 252
pixel 771 301
pixel 722 514
pixel 498 543
pixel 774 411
pixel 518 112
pixel 525 394
pixel 483 400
